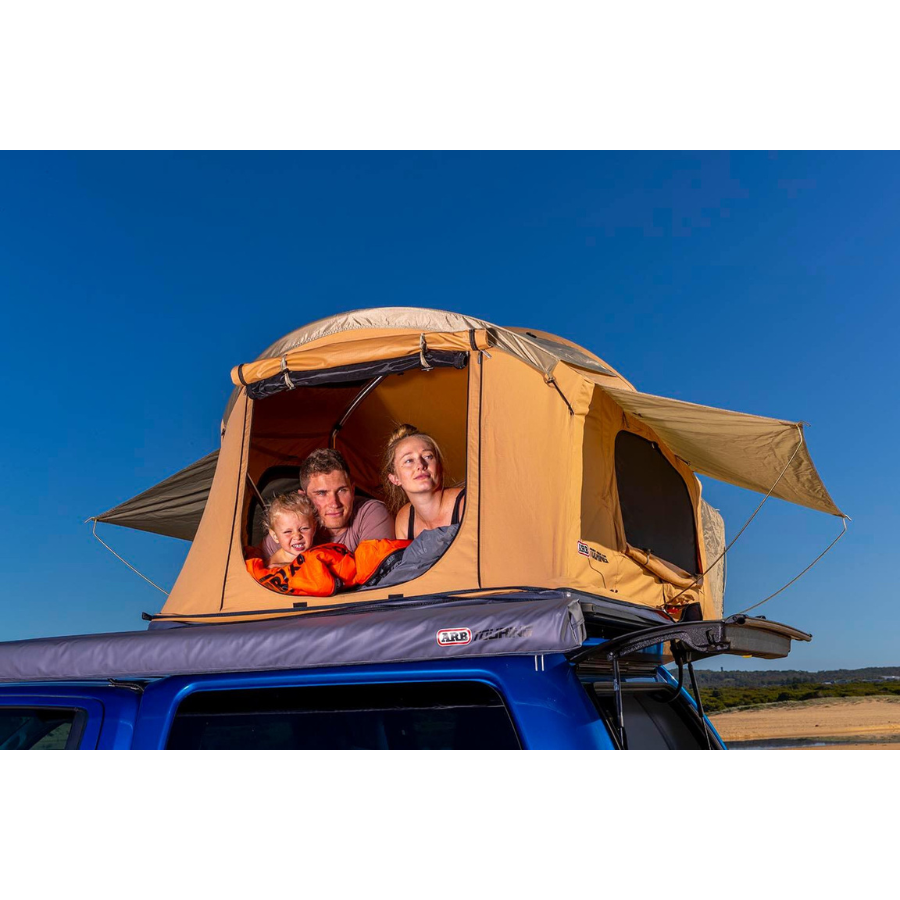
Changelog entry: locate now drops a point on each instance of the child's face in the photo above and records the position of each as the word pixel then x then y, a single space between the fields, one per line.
pixel 293 533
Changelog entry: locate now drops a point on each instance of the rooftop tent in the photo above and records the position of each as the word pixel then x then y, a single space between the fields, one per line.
pixel 574 479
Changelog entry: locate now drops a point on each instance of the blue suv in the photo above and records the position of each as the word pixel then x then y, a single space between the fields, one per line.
pixel 522 669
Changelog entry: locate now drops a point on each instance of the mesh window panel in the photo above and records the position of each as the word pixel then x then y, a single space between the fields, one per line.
pixel 656 504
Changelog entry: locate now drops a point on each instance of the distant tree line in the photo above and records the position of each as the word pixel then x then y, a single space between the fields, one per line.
pixel 719 698
pixel 708 678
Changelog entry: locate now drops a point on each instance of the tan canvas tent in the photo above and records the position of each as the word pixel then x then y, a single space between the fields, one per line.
pixel 574 479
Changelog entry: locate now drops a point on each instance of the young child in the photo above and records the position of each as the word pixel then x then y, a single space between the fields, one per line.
pixel 291 522
pixel 297 567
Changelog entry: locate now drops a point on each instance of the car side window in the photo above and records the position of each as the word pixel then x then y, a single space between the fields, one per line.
pixel 40 728
pixel 405 716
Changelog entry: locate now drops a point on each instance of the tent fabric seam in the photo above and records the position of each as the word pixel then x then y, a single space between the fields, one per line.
pixel 234 518
pixel 481 368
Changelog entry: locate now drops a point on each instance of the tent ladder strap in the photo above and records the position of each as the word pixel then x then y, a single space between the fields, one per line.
pixel 286 372
pixel 423 349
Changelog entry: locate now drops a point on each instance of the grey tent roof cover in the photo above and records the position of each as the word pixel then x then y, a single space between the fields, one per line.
pixel 524 623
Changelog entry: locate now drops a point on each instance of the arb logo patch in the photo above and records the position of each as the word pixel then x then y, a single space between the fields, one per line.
pixel 448 636
pixel 591 553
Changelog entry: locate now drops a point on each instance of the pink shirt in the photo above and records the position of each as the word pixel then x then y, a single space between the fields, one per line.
pixel 369 522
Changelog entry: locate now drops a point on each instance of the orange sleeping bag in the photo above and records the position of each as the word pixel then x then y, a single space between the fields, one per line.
pixel 326 569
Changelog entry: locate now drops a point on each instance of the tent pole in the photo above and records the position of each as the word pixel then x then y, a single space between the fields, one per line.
pixel 677 689
pixel 620 714
pixel 552 382
pixel 259 496
pixel 367 389
pixel 698 700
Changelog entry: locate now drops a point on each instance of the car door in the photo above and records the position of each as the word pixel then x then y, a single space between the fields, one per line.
pixel 63 717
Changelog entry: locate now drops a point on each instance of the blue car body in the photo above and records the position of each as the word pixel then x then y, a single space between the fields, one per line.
pixel 548 703
pixel 526 670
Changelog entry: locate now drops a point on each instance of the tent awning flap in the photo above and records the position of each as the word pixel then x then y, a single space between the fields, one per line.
pixel 741 449
pixel 173 507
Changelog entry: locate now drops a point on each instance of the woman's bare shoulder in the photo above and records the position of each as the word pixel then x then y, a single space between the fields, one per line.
pixel 401 523
pixel 450 494
pixel 451 498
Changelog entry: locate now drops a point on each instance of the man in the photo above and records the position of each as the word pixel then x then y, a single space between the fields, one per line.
pixel 325 478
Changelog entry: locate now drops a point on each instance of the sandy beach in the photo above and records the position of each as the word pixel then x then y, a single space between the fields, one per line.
pixel 871 723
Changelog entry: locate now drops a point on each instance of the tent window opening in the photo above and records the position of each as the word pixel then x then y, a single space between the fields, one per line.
pixel 656 505
pixel 356 419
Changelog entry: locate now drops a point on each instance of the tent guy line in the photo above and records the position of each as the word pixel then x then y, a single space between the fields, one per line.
pixel 762 502
pixel 844 521
pixel 116 555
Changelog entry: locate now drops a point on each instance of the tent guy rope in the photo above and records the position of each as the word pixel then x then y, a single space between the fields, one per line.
pixel 844 521
pixel 721 556
pixel 116 555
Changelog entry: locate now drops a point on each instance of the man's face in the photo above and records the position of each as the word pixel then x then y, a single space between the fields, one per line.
pixel 332 495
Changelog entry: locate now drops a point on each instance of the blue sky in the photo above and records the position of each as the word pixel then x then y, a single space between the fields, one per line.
pixel 131 283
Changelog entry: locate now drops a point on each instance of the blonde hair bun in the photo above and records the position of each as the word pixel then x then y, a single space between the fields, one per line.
pixel 401 433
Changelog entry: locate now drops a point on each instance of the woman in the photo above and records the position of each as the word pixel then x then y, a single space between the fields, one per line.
pixel 414 471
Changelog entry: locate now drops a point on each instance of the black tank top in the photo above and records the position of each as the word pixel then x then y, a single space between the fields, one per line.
pixel 454 519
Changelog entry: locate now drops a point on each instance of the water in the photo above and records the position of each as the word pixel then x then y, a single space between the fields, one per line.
pixel 780 744
pixel 801 743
